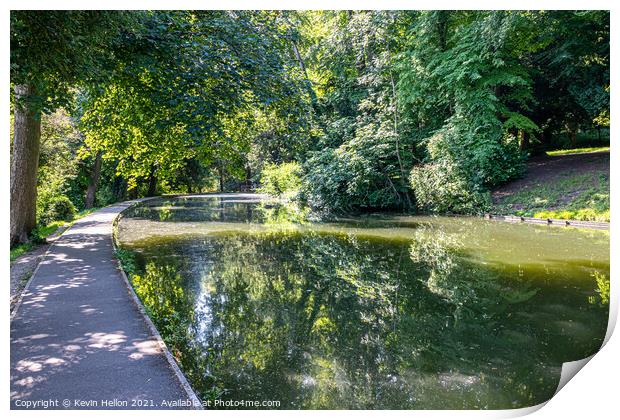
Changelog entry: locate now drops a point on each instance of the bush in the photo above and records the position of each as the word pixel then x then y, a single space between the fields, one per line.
pixel 325 183
pixel 361 174
pixel 486 157
pixel 105 195
pixel 282 180
pixel 55 208
pixel 441 187
pixel 468 157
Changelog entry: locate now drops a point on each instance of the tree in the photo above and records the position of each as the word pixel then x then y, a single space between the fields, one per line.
pixel 182 77
pixel 570 71
pixel 360 160
pixel 24 165
pixel 472 73
pixel 89 201
pixel 51 52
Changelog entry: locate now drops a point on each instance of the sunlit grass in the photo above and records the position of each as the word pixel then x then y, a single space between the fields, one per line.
pixel 50 229
pixel 20 250
pixel 587 214
pixel 573 196
pixel 577 151
pixel 85 212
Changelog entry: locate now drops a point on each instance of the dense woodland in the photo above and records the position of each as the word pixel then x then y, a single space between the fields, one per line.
pixel 345 111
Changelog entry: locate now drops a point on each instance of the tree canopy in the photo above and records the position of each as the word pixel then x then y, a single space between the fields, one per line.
pixel 406 110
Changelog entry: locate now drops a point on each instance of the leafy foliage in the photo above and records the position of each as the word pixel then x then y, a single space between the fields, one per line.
pixel 55 50
pixel 363 155
pixel 281 180
pixel 398 110
pixel 61 170
pixel 171 97
pixel 58 207
pixel 442 187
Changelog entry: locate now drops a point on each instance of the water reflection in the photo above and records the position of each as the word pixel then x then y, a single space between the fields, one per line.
pixel 369 312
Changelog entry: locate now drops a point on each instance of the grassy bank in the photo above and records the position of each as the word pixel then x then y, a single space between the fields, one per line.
pixel 576 196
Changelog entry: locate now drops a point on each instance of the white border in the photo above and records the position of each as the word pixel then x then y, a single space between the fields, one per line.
pixel 592 394
pixel 313 5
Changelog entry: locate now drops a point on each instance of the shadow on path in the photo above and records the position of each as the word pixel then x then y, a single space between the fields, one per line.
pixel 77 335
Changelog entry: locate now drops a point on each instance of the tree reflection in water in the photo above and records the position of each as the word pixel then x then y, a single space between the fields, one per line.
pixel 340 320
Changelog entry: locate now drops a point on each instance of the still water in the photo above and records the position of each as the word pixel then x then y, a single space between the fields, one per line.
pixel 381 311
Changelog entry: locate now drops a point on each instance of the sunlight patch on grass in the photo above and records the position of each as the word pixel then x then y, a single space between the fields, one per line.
pixel 574 197
pixel 577 151
pixel 45 231
pixel 20 250
pixel 85 212
pixel 587 214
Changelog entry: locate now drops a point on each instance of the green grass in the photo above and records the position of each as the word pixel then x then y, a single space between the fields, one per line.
pixel 38 235
pixel 573 196
pixel 85 212
pixel 575 151
pixel 41 232
pixel 21 249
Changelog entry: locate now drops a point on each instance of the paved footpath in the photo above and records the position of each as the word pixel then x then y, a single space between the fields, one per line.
pixel 77 335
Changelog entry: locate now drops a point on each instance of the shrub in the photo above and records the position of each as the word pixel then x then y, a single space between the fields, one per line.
pixel 282 180
pixel 441 187
pixel 127 260
pixel 361 174
pixel 468 156
pixel 105 195
pixel 55 208
pixel 485 157
pixel 325 183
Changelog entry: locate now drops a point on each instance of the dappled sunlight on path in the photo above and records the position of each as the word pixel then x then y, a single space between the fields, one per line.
pixel 77 334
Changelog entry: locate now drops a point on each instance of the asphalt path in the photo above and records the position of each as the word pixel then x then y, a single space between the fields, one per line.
pixel 77 338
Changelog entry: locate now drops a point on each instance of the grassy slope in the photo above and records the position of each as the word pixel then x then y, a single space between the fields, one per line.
pixel 569 191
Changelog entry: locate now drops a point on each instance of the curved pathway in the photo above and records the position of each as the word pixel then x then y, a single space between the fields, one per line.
pixel 78 338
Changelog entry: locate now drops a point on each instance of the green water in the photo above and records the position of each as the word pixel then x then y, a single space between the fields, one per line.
pixel 370 312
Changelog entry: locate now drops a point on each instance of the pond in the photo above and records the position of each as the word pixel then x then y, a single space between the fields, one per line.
pixel 376 312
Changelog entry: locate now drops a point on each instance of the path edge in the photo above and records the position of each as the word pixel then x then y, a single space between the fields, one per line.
pixel 41 259
pixel 34 273
pixel 196 403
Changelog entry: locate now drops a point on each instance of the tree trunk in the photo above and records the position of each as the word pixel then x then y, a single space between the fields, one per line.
pixel 24 165
pixel 221 171
pixel 248 178
pixel 152 183
pixel 302 66
pixel 524 140
pixel 571 129
pixel 119 188
pixel 403 174
pixel 91 190
pixel 442 28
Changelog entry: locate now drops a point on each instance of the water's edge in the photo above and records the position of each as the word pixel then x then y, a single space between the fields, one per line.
pixel 501 413
pixel 196 403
